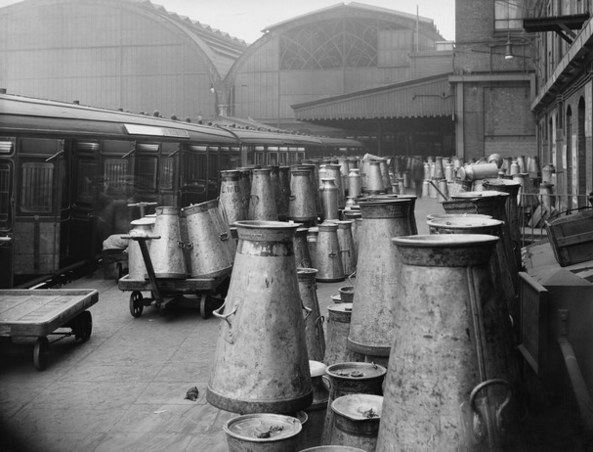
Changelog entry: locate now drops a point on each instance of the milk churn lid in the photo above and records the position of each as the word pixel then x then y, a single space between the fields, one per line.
pixel 340 307
pixel 317 368
pixel 443 240
pixel 445 216
pixel 480 194
pixel 263 427
pixel 356 370
pixel 359 407
pixel 143 221
pixel 464 222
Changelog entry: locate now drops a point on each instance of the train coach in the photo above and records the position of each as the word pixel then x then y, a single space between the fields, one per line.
pixel 68 174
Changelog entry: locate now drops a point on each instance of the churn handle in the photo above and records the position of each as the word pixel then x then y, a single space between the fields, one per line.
pixel 225 317
pixel 498 420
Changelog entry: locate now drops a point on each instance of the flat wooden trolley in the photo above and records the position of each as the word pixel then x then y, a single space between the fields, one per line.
pixel 38 313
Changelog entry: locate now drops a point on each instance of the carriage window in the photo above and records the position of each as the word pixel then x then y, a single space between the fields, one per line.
pixel 115 173
pixel 37 187
pixel 6 145
pixel 166 173
pixel 5 184
pixel 146 172
pixel 85 177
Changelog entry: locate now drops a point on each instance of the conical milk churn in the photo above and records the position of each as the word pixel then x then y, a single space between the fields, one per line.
pixel 208 247
pixel 356 420
pixel 301 249
pixel 245 187
pixel 314 335
pixel 327 254
pixel 374 179
pixel 338 327
pixel 377 282
pixel 261 362
pixel 453 353
pixel 262 202
pixel 346 244
pixel 350 378
pixel 166 253
pixel 224 230
pixel 301 206
pixel 231 201
pixel 283 192
pixel 136 266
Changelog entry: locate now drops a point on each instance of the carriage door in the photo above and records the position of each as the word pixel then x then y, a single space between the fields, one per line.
pixel 7 147
pixel 79 236
pixel 36 233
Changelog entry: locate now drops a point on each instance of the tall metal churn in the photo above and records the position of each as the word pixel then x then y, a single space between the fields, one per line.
pixel 338 327
pixel 166 253
pixel 314 334
pixel 232 201
pixel 452 364
pixel 262 201
pixel 261 363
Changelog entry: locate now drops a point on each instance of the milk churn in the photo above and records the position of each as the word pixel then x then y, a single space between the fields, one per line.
pixel 426 188
pixel 301 206
pixel 521 163
pixel 353 216
pixel 377 281
pixel 439 172
pixel 338 327
pixel 315 182
pixel 166 253
pixel 346 244
pixel 465 344
pixel 351 378
pixel 223 229
pixel 317 411
pixel 533 167
pixel 499 266
pixel 245 185
pixel 426 171
pixel 208 248
pixel 261 362
pixel 400 186
pixel 140 227
pixel 283 194
pixel 232 202
pixel 312 234
pixel 514 168
pixel 545 194
pixel 356 420
pixel 314 320
pixel 327 254
pixel 332 171
pixel 263 432
pixel 412 218
pixel 506 165
pixel 350 203
pixel 395 187
pixel 385 175
pixel 301 249
pixel 374 180
pixel 354 183
pixel 478 171
pixel 275 178
pixel 329 199
pixel 262 202
pixel 449 172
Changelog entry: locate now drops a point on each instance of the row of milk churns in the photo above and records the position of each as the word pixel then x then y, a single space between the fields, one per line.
pixel 429 321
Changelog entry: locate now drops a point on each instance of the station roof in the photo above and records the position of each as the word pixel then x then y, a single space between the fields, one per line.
pixel 427 97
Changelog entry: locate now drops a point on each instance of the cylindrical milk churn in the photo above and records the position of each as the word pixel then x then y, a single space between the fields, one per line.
pixel 232 203
pixel 301 206
pixel 385 175
pixel 356 420
pixel 223 229
pixel 478 171
pixel 208 249
pixel 314 335
pixel 140 228
pixel 425 188
pixel 329 198
pixel 465 345
pixel 338 327
pixel 262 202
pixel 346 243
pixel 327 254
pixel 374 180
pixel 317 411
pixel 312 234
pixel 351 378
pixel 439 172
pixel 377 281
pixel 261 362
pixel 332 171
pixel 514 168
pixel 283 193
pixel 499 266
pixel 166 253
pixel 521 163
pixel 426 171
pixel 314 176
pixel 301 249
pixel 354 183
pixel 449 172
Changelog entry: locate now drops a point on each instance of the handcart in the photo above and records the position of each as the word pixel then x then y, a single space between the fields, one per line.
pixel 209 292
pixel 38 313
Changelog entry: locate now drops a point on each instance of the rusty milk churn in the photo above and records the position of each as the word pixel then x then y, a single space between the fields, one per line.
pixel 283 195
pixel 301 205
pixel 338 327
pixel 377 281
pixel 374 179
pixel 232 201
pixel 354 183
pixel 314 335
pixel 356 420
pixel 166 253
pixel 209 246
pixel 140 228
pixel 262 365
pixel 329 198
pixel 350 378
pixel 346 244
pixel 301 249
pixel 327 254
pixel 262 201
pixel 456 355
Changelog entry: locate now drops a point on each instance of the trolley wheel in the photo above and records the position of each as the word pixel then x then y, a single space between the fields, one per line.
pixel 41 353
pixel 83 326
pixel 205 312
pixel 136 304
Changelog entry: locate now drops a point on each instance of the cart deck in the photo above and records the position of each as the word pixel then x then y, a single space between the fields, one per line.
pixel 39 313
